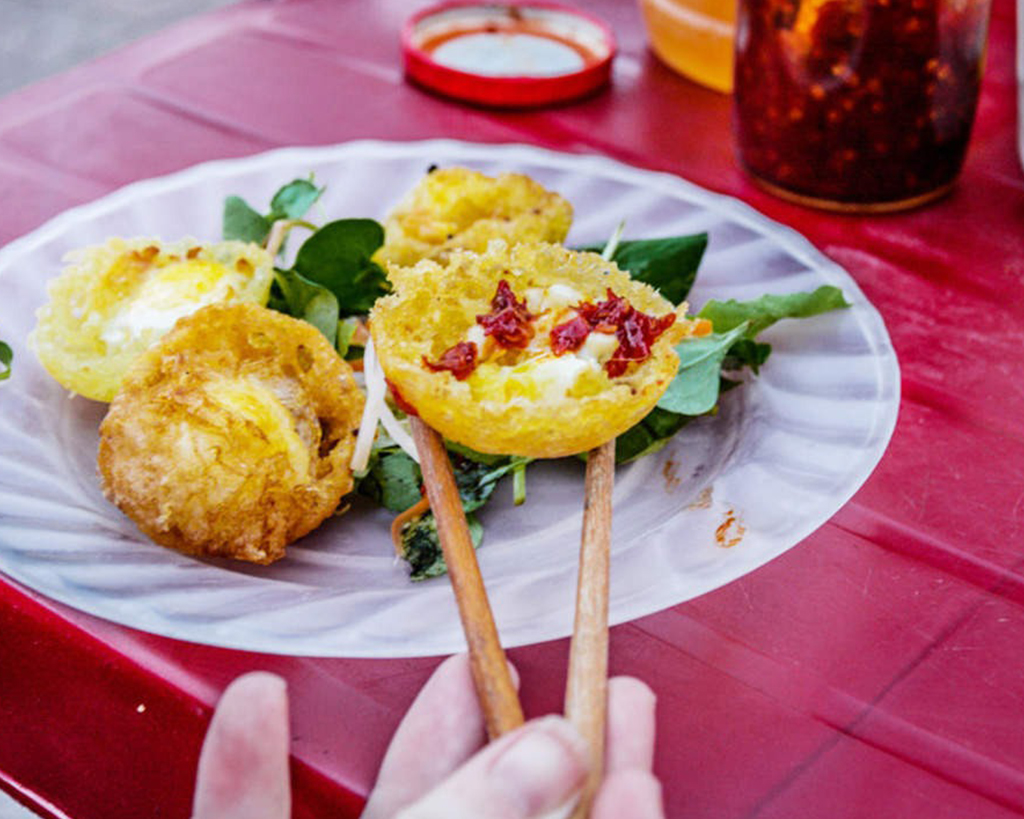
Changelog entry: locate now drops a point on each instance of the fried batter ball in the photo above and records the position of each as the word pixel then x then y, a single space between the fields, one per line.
pixel 521 393
pixel 112 301
pixel 232 436
pixel 458 208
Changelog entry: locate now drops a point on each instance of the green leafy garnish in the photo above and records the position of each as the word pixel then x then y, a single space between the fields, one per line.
pixel 421 546
pixel 6 357
pixel 243 222
pixel 338 257
pixel 297 296
pixel 650 435
pixel 333 275
pixel 694 390
pixel 698 382
pixel 669 265
pixel 346 331
pixel 394 481
pixel 295 199
pixel 762 313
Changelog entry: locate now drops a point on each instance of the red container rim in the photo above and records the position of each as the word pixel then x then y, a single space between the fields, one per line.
pixel 590 36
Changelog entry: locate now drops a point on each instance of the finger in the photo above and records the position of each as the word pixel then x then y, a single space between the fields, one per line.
pixel 442 729
pixel 633 793
pixel 243 766
pixel 535 771
pixel 630 729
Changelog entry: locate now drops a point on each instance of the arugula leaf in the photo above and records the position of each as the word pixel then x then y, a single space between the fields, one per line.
pixel 669 264
pixel 338 256
pixel 694 390
pixel 763 312
pixel 6 357
pixel 421 546
pixel 306 300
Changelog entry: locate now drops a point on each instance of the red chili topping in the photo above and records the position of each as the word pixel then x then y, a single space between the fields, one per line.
pixel 401 401
pixel 569 336
pixel 635 331
pixel 459 360
pixel 509 322
pixel 606 316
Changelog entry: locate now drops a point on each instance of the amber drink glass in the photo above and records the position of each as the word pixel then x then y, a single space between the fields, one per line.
pixel 857 105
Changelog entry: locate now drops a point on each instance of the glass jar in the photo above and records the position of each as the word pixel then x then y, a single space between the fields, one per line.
pixel 861 105
pixel 693 37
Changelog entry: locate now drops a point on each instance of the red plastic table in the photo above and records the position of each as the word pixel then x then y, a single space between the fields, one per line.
pixel 873 670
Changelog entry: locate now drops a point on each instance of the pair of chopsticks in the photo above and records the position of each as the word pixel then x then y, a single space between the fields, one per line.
pixel 587 684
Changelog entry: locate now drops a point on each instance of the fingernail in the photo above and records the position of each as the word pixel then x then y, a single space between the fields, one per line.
pixel 543 769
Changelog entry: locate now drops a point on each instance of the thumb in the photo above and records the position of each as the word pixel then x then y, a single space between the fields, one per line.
pixel 535 771
pixel 243 767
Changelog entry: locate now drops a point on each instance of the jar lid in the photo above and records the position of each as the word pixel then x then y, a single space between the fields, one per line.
pixel 508 54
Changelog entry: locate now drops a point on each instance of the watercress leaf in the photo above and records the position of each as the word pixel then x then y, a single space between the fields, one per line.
pixel 392 480
pixel 240 222
pixel 346 331
pixel 338 256
pixel 669 264
pixel 649 435
pixel 763 312
pixel 694 390
pixel 294 199
pixel 307 300
pixel 421 546
pixel 6 357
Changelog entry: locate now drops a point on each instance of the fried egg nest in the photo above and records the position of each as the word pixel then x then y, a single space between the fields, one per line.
pixel 112 301
pixel 456 208
pixel 232 436
pixel 522 402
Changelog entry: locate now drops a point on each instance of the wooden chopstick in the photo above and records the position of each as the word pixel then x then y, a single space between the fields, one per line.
pixel 586 691
pixel 491 675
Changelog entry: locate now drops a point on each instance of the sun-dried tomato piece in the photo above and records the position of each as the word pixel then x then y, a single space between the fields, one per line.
pixel 459 360
pixel 606 316
pixel 509 323
pixel 635 331
pixel 569 336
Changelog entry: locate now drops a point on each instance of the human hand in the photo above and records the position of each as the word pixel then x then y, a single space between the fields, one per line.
pixel 439 763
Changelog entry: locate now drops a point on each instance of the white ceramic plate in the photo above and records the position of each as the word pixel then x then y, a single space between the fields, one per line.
pixel 786 451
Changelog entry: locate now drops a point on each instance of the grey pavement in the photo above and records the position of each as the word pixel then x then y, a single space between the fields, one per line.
pixel 43 37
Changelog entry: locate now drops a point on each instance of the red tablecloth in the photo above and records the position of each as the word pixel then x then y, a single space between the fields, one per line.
pixel 873 670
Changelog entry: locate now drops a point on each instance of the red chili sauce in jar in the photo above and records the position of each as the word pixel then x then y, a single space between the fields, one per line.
pixel 857 104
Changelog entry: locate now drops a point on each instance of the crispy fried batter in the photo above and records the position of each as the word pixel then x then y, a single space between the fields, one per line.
pixel 458 208
pixel 232 436
pixel 112 301
pixel 522 401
